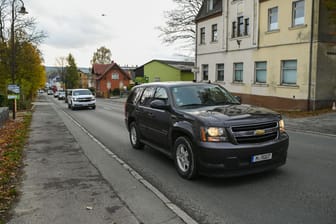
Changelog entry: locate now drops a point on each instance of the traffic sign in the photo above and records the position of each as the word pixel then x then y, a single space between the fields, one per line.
pixel 14 88
pixel 12 97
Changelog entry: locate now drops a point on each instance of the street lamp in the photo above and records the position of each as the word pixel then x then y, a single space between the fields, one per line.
pixel 13 61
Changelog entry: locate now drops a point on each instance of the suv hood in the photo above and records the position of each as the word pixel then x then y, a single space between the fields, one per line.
pixel 230 113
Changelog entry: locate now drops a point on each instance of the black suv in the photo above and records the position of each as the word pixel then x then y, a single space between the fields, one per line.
pixel 205 129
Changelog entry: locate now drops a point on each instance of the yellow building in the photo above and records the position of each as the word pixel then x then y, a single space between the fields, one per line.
pixel 278 54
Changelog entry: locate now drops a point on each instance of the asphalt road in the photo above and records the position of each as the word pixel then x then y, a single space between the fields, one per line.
pixel 302 191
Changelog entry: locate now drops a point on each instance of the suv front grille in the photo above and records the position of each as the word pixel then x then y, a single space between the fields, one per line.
pixel 86 99
pixel 256 133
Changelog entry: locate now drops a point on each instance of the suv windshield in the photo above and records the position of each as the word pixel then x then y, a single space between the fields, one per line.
pixel 82 92
pixel 201 95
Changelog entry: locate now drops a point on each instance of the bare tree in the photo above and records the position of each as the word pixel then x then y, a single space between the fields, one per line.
pixel 180 23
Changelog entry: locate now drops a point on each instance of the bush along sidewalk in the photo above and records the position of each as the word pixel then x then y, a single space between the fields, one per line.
pixel 13 137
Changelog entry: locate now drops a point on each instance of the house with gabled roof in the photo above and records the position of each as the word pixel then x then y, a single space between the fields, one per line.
pixel 109 77
pixel 164 70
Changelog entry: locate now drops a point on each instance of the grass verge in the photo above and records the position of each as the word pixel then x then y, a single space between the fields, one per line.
pixel 13 137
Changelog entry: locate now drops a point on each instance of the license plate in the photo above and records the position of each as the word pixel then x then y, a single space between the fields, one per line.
pixel 261 157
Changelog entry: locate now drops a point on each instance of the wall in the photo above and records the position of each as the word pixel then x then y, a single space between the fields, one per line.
pixel 154 70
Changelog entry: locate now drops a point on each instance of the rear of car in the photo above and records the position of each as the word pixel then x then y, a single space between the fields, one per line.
pixel 81 98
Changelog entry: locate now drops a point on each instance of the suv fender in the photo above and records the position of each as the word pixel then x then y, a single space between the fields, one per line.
pixel 181 128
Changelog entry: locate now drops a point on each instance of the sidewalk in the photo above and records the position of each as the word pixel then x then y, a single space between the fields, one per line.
pixel 61 186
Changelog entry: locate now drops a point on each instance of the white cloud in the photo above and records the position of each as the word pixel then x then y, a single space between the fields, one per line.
pixel 128 29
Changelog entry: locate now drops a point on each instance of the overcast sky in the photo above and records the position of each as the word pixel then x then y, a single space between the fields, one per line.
pixel 128 29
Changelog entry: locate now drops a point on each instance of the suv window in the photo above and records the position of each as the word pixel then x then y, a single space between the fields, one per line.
pixel 206 95
pixel 161 94
pixel 82 92
pixel 147 96
pixel 135 95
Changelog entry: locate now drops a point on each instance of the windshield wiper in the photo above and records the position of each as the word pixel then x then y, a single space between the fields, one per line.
pixel 226 103
pixel 191 105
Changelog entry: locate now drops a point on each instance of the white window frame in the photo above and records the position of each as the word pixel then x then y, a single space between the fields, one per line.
pixel 258 69
pixel 288 70
pixel 298 21
pixel 214 33
pixel 273 18
pixel 237 70
pixel 220 71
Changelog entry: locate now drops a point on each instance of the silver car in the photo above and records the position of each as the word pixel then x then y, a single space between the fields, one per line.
pixel 81 98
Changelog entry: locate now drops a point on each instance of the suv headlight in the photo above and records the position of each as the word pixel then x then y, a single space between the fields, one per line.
pixel 282 126
pixel 213 134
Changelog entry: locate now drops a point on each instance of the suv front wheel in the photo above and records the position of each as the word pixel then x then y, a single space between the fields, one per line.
pixel 184 158
pixel 134 136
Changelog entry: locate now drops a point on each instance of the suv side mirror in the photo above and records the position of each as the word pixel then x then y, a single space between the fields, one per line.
pixel 159 104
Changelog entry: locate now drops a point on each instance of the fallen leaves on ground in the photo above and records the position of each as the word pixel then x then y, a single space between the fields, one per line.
pixel 13 137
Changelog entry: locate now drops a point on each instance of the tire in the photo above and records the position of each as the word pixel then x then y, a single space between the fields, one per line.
pixel 185 158
pixel 134 136
pixel 94 107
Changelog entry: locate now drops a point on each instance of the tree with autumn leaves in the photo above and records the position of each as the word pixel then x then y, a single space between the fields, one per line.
pixel 29 71
pixel 331 6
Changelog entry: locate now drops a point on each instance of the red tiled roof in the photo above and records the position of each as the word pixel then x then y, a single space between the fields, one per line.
pixel 101 69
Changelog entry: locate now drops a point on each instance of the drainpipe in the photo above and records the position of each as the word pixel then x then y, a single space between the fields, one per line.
pixel 311 56
pixel 195 66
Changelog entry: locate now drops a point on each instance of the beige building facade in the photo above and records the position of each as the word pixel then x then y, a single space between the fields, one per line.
pixel 277 54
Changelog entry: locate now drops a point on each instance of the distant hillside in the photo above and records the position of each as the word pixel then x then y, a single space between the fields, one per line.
pixel 54 69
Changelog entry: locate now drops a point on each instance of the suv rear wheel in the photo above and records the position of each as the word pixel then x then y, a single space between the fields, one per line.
pixel 185 158
pixel 134 136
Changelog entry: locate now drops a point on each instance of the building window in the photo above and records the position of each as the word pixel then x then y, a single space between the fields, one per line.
pixel 289 72
pixel 115 76
pixel 156 79
pixel 234 29
pixel 240 26
pixel 273 19
pixel 246 26
pixel 205 72
pixel 220 72
pixel 298 13
pixel 214 33
pixel 261 72
pixel 209 5
pixel 238 72
pixel 202 40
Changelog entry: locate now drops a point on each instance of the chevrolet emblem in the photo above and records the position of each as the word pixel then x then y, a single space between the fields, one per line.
pixel 259 132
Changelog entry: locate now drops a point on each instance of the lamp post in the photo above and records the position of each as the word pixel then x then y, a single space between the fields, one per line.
pixel 13 56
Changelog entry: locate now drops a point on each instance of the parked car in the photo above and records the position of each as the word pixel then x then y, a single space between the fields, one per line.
pixel 205 129
pixel 61 95
pixel 81 98
pixel 56 94
pixel 50 92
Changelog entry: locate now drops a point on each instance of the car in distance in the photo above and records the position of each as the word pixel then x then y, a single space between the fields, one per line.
pixel 81 98
pixel 61 95
pixel 205 129
pixel 50 92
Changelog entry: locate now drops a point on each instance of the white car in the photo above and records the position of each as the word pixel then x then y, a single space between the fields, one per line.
pixel 81 98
